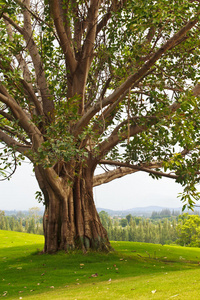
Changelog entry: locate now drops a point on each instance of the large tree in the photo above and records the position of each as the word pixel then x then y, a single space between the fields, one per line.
pixel 98 82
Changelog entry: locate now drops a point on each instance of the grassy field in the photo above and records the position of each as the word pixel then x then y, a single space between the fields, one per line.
pixel 133 271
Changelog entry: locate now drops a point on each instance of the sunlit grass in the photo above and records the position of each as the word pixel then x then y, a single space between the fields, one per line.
pixel 133 271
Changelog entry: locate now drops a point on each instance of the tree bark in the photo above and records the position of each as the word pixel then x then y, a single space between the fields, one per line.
pixel 70 219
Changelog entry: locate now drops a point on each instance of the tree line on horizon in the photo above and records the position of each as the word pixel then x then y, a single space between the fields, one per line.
pixel 164 227
pixel 22 222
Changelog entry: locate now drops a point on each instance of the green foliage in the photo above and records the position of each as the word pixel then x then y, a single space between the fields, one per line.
pixel 188 230
pixel 39 197
pixel 123 222
pixel 129 217
pixel 134 33
pixel 9 160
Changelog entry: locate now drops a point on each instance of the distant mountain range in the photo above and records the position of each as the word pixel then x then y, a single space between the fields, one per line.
pixel 141 211
pixel 21 212
pixel 136 211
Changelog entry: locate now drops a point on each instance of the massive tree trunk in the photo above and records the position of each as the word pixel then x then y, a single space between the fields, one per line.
pixel 71 220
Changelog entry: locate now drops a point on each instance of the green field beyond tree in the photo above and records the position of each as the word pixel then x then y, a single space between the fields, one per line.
pixel 132 271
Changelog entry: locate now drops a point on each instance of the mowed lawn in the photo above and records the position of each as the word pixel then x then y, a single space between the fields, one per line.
pixel 132 271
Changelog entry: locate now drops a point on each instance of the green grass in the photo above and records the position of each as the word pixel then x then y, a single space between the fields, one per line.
pixel 133 271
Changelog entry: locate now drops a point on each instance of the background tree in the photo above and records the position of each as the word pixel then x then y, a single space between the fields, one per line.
pixel 129 217
pixel 2 220
pixel 88 83
pixel 18 226
pixel 123 222
pixel 104 218
pixel 188 230
pixel 33 211
pixel 2 213
pixel 31 227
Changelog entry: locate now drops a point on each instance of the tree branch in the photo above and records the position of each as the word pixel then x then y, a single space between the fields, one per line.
pixel 116 136
pixel 54 181
pixel 113 8
pixel 28 90
pixel 6 115
pixel 26 74
pixel 9 141
pixel 78 28
pixel 32 131
pixel 15 25
pixel 14 133
pixel 27 33
pixel 56 6
pixel 104 21
pixel 86 55
pixel 91 30
pixel 127 168
pixel 31 94
pixel 48 105
pixel 136 76
pixel 145 167
pixel 122 170
pixel 111 175
pixel 108 114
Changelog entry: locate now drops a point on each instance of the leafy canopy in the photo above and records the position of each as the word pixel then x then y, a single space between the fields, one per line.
pixel 115 82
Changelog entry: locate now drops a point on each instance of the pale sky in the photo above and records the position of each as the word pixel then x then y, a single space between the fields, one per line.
pixel 136 190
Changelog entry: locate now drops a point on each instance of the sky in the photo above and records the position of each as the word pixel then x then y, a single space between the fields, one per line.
pixel 135 190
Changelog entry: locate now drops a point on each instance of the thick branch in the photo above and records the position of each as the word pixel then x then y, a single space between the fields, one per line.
pixel 30 92
pixel 111 175
pixel 14 133
pixel 145 168
pixel 32 131
pixel 196 90
pixel 104 21
pixel 13 143
pixel 27 33
pixel 86 55
pixel 78 27
pixel 54 181
pixel 15 25
pixel 26 74
pixel 126 169
pixel 56 10
pixel 6 115
pixel 91 30
pixel 47 100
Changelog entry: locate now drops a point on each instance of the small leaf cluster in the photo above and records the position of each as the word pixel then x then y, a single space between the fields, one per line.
pixel 60 144
pixel 9 161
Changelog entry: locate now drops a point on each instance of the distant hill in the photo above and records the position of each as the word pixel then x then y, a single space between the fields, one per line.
pixel 21 212
pixel 142 211
pixel 136 211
